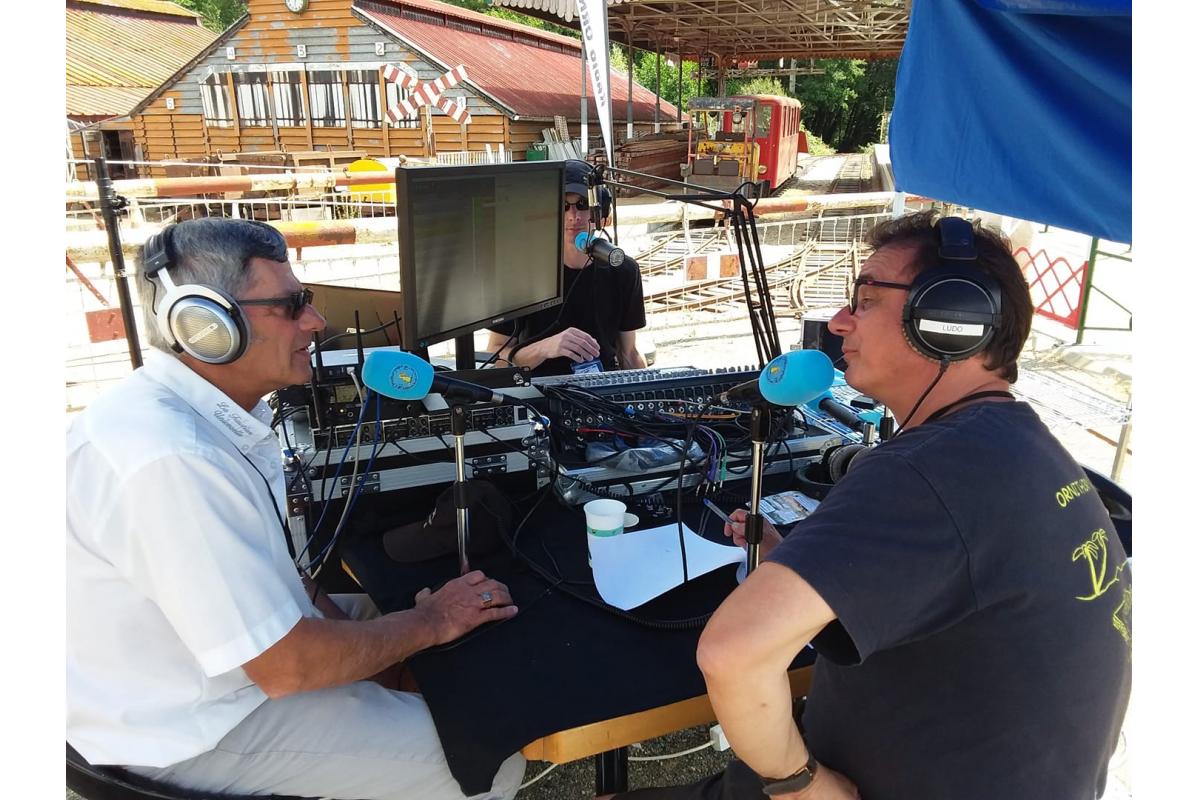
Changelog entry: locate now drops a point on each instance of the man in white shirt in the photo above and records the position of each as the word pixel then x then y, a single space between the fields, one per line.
pixel 195 655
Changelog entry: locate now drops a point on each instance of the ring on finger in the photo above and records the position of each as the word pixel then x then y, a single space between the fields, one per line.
pixel 486 598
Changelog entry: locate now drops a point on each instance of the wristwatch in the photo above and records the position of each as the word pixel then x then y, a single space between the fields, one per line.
pixel 793 783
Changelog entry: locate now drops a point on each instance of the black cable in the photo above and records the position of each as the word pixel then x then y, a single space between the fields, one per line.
pixel 558 582
pixel 943 365
pixel 687 445
pixel 492 358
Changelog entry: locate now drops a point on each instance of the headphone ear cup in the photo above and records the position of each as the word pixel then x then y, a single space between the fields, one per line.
pixel 205 323
pixel 606 202
pixel 841 460
pixel 826 459
pixel 951 313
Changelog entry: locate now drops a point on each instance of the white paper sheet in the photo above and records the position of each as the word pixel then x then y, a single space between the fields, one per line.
pixel 636 567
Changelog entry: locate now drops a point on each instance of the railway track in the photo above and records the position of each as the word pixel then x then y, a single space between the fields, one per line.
pixel 669 252
pixel 718 294
pixel 819 273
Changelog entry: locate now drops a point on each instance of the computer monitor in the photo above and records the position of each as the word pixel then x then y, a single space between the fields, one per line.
pixel 479 245
pixel 377 311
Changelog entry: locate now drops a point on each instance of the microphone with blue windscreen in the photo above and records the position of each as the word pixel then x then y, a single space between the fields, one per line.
pixel 404 376
pixel 789 379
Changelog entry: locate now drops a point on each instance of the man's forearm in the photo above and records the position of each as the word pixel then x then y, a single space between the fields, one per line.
pixel 320 653
pixel 755 711
pixel 632 359
pixel 531 355
pixel 322 601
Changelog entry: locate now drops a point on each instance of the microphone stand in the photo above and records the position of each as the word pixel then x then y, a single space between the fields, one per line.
pixel 760 429
pixel 458 428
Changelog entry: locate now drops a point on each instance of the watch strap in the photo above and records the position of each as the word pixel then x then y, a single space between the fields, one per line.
pixel 801 779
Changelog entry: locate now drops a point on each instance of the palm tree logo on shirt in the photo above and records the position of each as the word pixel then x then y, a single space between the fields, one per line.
pixel 1095 551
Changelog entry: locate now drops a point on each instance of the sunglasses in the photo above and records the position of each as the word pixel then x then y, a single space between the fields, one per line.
pixel 871 282
pixel 295 302
pixel 581 205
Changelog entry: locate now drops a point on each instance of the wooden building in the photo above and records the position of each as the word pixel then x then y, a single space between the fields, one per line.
pixel 307 75
pixel 117 52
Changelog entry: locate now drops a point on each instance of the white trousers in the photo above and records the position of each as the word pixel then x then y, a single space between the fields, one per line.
pixel 354 742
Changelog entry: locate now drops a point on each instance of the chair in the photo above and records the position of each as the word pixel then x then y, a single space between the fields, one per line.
pixel 1119 505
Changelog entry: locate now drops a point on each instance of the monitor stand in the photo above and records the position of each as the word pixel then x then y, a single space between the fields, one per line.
pixel 464 351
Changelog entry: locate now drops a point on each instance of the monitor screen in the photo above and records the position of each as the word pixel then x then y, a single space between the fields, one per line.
pixel 479 245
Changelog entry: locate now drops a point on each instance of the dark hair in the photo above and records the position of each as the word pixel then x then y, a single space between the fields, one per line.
pixel 212 252
pixel 918 231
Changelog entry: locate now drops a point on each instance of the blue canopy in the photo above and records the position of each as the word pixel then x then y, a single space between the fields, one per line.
pixel 1019 107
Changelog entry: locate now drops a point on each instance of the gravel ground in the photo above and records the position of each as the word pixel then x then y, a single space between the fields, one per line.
pixel 577 780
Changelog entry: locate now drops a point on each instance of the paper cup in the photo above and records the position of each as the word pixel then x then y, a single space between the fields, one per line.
pixel 604 518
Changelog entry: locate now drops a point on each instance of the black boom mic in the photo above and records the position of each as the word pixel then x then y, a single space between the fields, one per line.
pixel 843 414
pixel 602 251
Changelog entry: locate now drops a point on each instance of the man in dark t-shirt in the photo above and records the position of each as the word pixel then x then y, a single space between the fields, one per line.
pixel 595 328
pixel 964 587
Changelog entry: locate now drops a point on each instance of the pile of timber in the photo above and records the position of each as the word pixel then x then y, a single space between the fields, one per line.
pixel 660 154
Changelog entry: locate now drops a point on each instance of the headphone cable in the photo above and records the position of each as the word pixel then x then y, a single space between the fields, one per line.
pixel 943 365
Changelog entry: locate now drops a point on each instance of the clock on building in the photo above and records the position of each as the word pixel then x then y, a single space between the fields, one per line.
pixel 296 6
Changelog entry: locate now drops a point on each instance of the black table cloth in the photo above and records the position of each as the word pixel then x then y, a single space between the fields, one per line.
pixel 561 662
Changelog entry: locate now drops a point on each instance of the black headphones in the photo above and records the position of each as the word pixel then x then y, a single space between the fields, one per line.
pixel 202 321
pixel 603 197
pixel 953 309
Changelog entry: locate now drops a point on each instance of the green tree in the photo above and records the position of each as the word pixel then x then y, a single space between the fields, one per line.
pixel 644 70
pixel 845 104
pixel 513 16
pixel 218 14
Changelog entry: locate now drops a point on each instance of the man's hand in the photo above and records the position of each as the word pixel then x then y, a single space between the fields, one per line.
pixel 737 532
pixel 464 604
pixel 573 343
pixel 827 785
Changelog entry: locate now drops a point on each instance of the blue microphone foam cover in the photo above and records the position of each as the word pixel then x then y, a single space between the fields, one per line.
pixel 795 377
pixel 396 374
pixel 581 241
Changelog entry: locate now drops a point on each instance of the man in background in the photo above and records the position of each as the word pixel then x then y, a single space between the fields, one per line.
pixel 595 328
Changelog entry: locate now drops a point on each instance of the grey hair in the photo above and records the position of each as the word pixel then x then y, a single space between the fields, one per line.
pixel 212 252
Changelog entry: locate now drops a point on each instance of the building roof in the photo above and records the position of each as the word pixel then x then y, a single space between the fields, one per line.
pixel 116 59
pixel 528 72
pixel 152 6
pixel 745 29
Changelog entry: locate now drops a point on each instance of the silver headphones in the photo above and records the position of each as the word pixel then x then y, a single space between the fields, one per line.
pixel 199 320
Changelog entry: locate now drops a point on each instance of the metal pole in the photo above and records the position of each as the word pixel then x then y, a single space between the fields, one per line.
pixel 583 104
pixel 760 429
pixel 1087 290
pixel 108 200
pixel 611 154
pixel 1123 442
pixel 629 99
pixel 657 83
pixel 679 105
pixel 458 427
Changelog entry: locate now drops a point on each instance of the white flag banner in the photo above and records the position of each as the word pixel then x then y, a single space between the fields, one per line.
pixel 593 23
